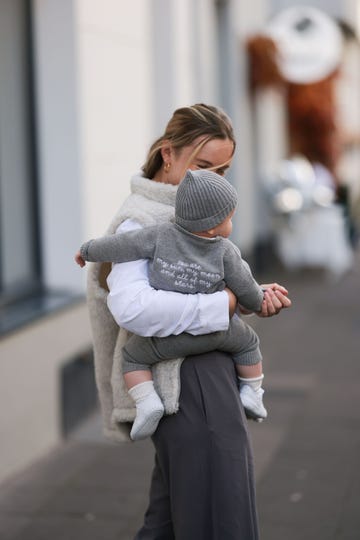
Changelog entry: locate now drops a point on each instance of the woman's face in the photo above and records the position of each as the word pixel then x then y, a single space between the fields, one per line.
pixel 216 155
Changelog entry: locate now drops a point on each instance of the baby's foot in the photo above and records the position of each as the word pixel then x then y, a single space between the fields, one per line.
pixel 149 412
pixel 253 403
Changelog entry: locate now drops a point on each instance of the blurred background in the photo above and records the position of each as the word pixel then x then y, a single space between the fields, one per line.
pixel 85 87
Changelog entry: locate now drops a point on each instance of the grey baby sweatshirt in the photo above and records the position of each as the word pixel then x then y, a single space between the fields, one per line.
pixel 181 261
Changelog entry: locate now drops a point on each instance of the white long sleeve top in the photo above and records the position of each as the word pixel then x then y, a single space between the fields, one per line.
pixel 145 311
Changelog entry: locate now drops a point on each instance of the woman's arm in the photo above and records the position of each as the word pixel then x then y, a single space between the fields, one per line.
pixel 145 311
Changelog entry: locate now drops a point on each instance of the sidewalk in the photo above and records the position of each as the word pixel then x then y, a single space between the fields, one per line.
pixel 306 453
pixel 311 487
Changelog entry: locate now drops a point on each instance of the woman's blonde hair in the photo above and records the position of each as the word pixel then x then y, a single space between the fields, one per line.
pixel 185 126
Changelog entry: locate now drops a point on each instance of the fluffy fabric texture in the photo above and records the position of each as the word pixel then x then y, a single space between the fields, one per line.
pixel 150 203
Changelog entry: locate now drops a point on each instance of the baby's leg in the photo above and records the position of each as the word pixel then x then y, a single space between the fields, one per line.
pixel 149 407
pixel 133 378
pixel 139 354
pixel 249 371
pixel 239 340
pixel 251 391
pixel 243 342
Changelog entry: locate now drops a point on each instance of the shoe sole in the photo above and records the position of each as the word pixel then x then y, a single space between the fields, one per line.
pixel 149 427
pixel 252 416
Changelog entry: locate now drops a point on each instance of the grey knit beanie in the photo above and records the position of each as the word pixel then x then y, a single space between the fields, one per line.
pixel 203 200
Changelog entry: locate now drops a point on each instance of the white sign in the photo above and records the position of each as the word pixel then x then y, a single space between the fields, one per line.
pixel 309 41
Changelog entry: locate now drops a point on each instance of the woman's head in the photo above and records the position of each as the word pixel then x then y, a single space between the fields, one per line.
pixel 200 136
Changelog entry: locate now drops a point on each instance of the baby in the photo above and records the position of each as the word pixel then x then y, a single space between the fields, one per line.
pixel 192 255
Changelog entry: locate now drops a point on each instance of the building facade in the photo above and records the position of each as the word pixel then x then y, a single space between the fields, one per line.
pixel 86 85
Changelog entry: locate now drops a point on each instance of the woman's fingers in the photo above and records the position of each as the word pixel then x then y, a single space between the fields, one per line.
pixel 280 293
pixel 285 301
pixel 267 308
pixel 274 302
pixel 275 287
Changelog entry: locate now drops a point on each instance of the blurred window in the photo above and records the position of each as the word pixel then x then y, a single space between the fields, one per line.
pixel 19 239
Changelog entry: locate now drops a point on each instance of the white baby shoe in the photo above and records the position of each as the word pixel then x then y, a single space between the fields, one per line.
pixel 149 410
pixel 252 401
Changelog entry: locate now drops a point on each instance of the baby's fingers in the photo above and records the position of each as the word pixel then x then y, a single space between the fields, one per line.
pixel 79 260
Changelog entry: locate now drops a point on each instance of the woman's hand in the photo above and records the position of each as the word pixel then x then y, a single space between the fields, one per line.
pixel 79 260
pixel 275 299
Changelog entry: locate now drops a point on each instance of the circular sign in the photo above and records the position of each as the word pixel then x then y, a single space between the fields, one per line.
pixel 309 42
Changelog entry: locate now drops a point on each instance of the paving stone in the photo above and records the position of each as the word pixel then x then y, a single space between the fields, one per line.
pixel 12 525
pixel 306 453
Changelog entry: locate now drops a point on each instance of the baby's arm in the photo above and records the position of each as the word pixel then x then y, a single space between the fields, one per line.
pixel 130 246
pixel 239 279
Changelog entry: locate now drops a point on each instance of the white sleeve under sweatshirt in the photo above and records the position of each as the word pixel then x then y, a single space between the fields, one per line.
pixel 145 311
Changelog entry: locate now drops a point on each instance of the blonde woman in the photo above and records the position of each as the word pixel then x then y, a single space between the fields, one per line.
pixel 202 485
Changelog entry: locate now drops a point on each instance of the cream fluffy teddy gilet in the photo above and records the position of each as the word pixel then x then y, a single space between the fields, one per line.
pixel 149 203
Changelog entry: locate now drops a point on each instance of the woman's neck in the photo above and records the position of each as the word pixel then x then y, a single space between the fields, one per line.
pixel 161 176
pixel 165 177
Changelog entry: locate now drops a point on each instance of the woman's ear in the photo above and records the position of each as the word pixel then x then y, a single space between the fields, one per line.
pixel 166 151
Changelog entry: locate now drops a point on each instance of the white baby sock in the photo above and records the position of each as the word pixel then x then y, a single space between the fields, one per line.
pixel 254 382
pixel 149 410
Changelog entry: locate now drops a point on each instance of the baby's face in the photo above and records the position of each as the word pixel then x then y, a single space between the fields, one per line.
pixel 224 228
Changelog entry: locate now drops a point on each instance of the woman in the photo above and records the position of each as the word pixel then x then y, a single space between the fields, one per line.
pixel 202 485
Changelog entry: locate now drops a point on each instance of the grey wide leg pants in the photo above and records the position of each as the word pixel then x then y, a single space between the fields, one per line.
pixel 202 486
pixel 240 340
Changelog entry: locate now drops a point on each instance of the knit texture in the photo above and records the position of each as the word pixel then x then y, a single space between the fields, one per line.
pixel 204 199
pixel 150 203
pixel 181 261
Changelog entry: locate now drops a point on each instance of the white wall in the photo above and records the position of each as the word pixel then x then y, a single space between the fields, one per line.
pixel 184 49
pixel 244 22
pixel 31 358
pixel 94 95
pixel 138 62
pixel 29 385
pixel 115 96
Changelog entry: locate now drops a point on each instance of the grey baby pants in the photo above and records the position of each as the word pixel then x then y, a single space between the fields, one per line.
pixel 240 340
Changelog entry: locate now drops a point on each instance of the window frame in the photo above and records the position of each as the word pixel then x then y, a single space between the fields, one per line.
pixel 34 284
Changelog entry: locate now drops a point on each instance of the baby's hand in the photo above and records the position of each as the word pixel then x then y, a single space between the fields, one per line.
pixel 79 260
